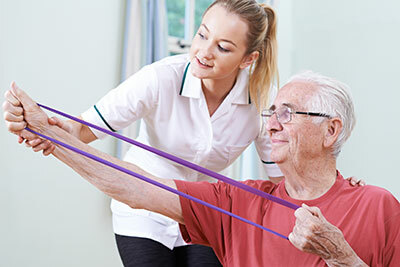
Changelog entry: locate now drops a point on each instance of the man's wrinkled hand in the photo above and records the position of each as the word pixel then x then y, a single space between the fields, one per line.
pixel 312 233
pixel 21 111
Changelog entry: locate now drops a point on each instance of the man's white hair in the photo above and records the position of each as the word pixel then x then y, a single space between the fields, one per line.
pixel 332 98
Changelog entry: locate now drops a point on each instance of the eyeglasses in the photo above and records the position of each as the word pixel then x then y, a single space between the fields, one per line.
pixel 284 114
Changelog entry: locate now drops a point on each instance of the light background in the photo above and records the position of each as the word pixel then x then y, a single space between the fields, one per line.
pixel 67 54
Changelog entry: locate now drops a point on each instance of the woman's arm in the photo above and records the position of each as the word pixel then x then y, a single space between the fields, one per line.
pixel 80 131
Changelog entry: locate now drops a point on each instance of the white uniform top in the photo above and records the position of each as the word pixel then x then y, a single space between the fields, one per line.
pixel 176 120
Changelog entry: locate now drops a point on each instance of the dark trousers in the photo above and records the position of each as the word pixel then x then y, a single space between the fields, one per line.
pixel 143 252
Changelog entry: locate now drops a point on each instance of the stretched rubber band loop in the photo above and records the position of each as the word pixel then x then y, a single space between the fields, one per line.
pixel 148 180
pixel 180 161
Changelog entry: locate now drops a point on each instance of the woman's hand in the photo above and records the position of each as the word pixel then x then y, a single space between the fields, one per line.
pixel 355 182
pixel 46 146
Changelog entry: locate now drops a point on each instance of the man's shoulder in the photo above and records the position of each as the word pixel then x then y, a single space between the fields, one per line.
pixel 263 185
pixel 372 191
pixel 372 195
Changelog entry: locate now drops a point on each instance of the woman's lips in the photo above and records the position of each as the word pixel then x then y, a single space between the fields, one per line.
pixel 205 66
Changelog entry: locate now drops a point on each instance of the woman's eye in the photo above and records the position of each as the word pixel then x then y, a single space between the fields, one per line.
pixel 201 35
pixel 222 49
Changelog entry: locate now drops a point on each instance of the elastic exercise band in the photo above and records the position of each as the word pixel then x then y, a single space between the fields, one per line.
pixel 180 161
pixel 148 180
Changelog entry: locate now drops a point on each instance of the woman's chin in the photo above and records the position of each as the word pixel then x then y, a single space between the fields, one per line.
pixel 275 157
pixel 199 73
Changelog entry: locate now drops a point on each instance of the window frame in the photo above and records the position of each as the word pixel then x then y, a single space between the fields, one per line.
pixel 177 45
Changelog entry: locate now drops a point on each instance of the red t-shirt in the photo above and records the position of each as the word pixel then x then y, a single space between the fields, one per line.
pixel 368 216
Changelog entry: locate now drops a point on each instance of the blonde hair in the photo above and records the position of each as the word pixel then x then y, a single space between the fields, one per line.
pixel 261 37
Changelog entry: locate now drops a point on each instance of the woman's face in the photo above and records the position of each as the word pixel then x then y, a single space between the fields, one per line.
pixel 219 47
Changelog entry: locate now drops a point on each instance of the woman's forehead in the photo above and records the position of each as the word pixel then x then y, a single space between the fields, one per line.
pixel 226 25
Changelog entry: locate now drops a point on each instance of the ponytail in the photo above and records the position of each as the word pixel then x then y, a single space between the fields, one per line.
pixel 265 72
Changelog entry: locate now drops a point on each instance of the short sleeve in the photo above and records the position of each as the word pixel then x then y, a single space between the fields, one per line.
pixel 263 147
pixel 392 231
pixel 204 225
pixel 222 232
pixel 131 100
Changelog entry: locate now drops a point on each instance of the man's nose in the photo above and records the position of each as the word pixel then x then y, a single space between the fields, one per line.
pixel 273 124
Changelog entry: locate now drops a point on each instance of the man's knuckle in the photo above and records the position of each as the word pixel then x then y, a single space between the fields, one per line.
pixel 4 105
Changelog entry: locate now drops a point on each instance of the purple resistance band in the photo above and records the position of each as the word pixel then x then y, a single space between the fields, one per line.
pixel 141 177
pixel 180 161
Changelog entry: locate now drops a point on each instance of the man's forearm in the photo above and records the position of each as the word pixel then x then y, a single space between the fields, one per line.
pixel 347 257
pixel 21 111
pixel 120 186
pixel 351 262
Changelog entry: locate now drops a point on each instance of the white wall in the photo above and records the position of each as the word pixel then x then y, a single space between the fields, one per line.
pixel 65 54
pixel 358 43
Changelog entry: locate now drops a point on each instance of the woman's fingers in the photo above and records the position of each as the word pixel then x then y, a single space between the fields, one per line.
pixel 20 139
pixel 34 142
pixel 49 150
pixel 44 144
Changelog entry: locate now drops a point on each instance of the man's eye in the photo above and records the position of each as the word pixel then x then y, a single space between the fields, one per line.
pixel 283 112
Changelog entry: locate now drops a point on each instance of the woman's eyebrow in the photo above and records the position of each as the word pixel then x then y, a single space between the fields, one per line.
pixel 223 40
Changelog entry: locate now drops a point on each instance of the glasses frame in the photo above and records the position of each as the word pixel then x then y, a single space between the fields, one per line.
pixel 272 112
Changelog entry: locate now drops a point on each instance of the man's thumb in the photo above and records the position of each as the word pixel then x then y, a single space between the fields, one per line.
pixel 27 103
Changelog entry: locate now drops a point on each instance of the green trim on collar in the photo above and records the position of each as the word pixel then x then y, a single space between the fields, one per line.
pixel 268 162
pixel 101 116
pixel 184 78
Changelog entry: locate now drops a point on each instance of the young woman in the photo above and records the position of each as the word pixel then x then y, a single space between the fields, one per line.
pixel 203 107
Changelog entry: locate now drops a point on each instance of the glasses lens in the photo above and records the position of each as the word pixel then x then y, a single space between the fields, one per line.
pixel 284 114
pixel 266 114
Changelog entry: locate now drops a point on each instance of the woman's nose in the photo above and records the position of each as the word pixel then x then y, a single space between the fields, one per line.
pixel 206 51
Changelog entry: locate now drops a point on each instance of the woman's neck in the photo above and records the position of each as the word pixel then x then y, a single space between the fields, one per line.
pixel 216 90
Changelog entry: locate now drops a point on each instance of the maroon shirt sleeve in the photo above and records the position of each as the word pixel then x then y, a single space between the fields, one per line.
pixel 392 231
pixel 204 225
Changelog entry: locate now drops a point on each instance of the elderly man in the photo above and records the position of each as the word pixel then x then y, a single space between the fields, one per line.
pixel 337 225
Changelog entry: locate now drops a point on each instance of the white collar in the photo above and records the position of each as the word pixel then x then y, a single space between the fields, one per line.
pixel 191 87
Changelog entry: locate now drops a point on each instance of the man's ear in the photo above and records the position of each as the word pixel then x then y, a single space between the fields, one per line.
pixel 334 128
pixel 249 59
